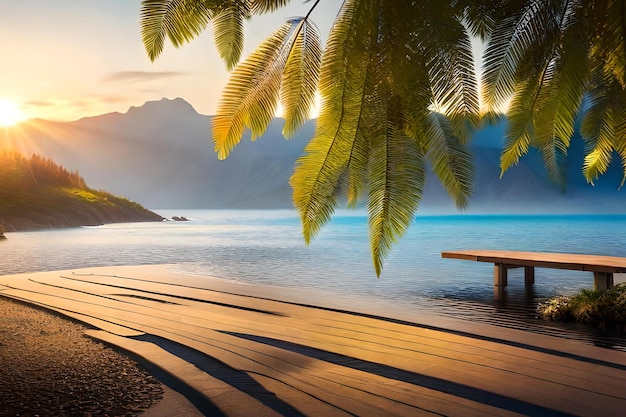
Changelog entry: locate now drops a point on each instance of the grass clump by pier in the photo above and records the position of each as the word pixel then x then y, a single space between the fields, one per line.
pixel 605 309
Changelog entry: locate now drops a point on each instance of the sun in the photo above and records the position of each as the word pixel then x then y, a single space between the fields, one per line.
pixel 10 113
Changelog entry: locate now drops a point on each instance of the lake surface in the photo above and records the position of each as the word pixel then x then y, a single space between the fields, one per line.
pixel 266 247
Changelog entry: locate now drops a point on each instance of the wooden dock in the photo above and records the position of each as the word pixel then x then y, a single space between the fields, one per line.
pixel 603 267
pixel 242 350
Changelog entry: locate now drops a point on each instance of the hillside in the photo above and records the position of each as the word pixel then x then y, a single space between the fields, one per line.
pixel 161 155
pixel 37 193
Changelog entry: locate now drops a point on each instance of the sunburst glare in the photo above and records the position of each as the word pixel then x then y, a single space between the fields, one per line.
pixel 10 113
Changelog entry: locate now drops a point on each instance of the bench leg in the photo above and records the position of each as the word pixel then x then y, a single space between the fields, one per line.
pixel 529 275
pixel 500 275
pixel 500 281
pixel 602 280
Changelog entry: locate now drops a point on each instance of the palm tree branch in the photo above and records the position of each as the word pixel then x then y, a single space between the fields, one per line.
pixel 342 88
pixel 179 20
pixel 300 77
pixel 228 33
pixel 250 98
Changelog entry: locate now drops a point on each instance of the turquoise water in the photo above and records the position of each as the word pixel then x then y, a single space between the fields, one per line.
pixel 266 247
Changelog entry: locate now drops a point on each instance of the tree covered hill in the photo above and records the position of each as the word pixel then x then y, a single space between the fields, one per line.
pixel 37 193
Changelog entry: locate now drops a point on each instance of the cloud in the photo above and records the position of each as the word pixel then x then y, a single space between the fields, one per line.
pixel 40 103
pixel 140 76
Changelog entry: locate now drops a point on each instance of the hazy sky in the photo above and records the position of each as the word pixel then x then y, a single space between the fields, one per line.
pixel 66 59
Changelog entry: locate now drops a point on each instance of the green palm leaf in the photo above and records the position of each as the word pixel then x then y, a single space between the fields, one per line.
pixel 266 6
pixel 610 42
pixel 300 76
pixel 561 89
pixel 250 98
pixel 521 131
pixel 343 83
pixel 396 183
pixel 501 57
pixel 453 80
pixel 451 160
pixel 600 151
pixel 598 127
pixel 179 20
pixel 228 32
pixel 620 147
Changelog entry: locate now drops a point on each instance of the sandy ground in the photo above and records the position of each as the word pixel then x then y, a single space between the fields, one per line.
pixel 49 368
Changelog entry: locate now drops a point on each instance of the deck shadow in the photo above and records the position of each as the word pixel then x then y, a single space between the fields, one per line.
pixel 434 383
pixel 237 379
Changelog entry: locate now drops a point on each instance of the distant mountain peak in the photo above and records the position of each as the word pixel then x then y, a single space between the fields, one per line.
pixel 176 107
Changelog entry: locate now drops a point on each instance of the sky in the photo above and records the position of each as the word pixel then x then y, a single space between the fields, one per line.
pixel 66 59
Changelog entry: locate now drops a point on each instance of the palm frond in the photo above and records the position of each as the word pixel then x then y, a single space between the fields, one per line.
pixel 609 18
pixel 509 46
pixel 598 158
pixel 267 6
pixel 450 159
pixel 342 89
pixel 479 17
pixel 520 125
pixel 620 144
pixel 250 99
pixel 179 20
pixel 562 85
pixel 228 32
pixel 300 76
pixel 396 182
pixel 455 87
pixel 603 124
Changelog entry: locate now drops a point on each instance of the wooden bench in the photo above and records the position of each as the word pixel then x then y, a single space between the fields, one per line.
pixel 603 267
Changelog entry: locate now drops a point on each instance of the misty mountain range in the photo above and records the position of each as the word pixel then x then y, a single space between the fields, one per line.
pixel 161 155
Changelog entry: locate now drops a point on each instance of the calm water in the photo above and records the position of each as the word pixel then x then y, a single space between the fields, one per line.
pixel 266 247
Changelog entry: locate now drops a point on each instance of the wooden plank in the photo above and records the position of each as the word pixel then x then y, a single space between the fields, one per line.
pixel 570 261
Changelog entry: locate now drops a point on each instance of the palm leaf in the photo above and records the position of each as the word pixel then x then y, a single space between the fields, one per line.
pixel 603 123
pixel 250 99
pixel 458 94
pixel 520 121
pixel 228 32
pixel 396 183
pixel 561 89
pixel 266 6
pixel 179 20
pixel 451 160
pixel 300 76
pixel 342 89
pixel 521 27
pixel 610 39
pixel 598 127
pixel 599 156
pixel 620 143
pixel 453 82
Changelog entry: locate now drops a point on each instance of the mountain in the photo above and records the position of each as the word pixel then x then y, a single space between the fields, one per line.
pixel 161 155
pixel 37 193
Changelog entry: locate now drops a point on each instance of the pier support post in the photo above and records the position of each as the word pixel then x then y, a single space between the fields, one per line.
pixel 602 280
pixel 529 275
pixel 500 280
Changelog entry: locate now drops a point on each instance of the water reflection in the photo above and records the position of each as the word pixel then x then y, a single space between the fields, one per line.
pixel 517 309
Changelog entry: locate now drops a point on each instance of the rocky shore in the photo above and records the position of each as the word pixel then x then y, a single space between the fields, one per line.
pixel 49 368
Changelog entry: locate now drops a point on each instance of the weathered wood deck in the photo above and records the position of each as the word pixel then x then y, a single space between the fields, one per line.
pixel 603 267
pixel 247 351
